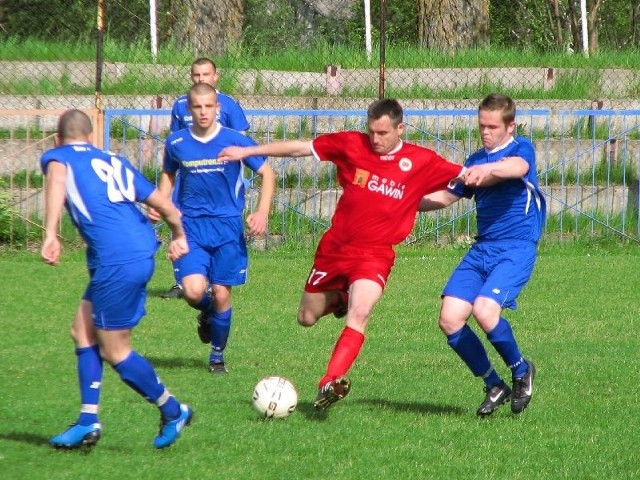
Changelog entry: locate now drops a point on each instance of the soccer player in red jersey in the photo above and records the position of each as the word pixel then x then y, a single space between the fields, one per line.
pixel 383 180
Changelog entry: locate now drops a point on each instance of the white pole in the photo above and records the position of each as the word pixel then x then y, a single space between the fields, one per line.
pixel 153 25
pixel 585 27
pixel 367 27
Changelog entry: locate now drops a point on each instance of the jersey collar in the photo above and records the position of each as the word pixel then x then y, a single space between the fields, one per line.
pixel 395 149
pixel 503 146
pixel 209 137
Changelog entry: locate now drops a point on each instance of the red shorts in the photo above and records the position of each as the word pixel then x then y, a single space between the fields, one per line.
pixel 336 266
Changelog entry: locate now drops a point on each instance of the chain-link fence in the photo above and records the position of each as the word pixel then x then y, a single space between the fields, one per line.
pixel 588 163
pixel 317 53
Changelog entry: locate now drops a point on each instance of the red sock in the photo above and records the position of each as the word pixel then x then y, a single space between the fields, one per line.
pixel 344 354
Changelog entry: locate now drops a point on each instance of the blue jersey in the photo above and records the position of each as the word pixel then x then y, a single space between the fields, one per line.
pixel 510 209
pixel 101 194
pixel 229 115
pixel 208 186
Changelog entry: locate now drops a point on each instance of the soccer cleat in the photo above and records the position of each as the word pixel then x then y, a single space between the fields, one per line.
pixel 173 292
pixel 496 396
pixel 218 368
pixel 331 392
pixel 523 389
pixel 76 436
pixel 170 429
pixel 204 327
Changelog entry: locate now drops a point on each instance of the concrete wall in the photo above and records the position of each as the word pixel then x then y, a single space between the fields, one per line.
pixel 334 80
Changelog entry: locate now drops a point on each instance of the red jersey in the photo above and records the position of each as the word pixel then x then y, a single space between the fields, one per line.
pixel 381 193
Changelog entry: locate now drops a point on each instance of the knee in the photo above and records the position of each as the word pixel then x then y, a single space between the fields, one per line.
pixel 449 325
pixel 358 317
pixel 107 355
pixel 193 295
pixel 306 317
pixel 75 335
pixel 221 295
pixel 82 336
pixel 486 316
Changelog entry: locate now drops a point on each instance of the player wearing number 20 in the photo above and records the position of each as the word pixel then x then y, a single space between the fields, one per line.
pixel 100 191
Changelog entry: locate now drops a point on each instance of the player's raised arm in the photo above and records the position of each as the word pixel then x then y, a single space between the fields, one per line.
pixel 437 200
pixel 495 172
pixel 288 148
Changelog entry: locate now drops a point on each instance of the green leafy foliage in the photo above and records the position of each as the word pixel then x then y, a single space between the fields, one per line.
pixel 528 24
pixel 6 213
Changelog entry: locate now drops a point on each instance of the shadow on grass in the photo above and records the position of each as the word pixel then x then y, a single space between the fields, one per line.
pixel 307 409
pixel 413 407
pixel 24 437
pixel 43 441
pixel 158 292
pixel 176 362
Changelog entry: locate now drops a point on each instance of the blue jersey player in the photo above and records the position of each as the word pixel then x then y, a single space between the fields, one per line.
pixel 211 199
pixel 101 191
pixel 229 114
pixel 510 216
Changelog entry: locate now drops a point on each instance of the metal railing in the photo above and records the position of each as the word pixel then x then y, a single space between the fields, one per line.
pixel 588 163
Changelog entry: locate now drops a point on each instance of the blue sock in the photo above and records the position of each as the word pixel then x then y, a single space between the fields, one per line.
pixel 90 382
pixel 138 373
pixel 216 356
pixel 502 339
pixel 470 349
pixel 220 327
pixel 205 304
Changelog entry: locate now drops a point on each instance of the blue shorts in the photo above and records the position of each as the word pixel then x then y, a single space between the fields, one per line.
pixel 118 294
pixel 217 251
pixel 496 270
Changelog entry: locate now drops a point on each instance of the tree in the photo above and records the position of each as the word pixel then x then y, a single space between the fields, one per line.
pixel 47 19
pixel 593 22
pixel 205 27
pixel 453 24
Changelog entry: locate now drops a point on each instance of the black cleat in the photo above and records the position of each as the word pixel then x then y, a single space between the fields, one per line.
pixel 204 327
pixel 331 392
pixel 496 396
pixel 173 292
pixel 218 368
pixel 523 389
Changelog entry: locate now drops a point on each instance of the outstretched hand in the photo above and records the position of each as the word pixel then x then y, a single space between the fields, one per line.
pixel 230 154
pixel 476 175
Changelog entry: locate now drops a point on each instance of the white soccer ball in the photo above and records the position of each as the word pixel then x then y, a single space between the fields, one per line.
pixel 274 397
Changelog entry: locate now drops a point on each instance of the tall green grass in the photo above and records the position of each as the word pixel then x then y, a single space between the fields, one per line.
pixel 316 58
pixel 411 412
pixel 578 86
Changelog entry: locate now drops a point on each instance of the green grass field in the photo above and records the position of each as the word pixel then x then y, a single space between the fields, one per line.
pixel 411 412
